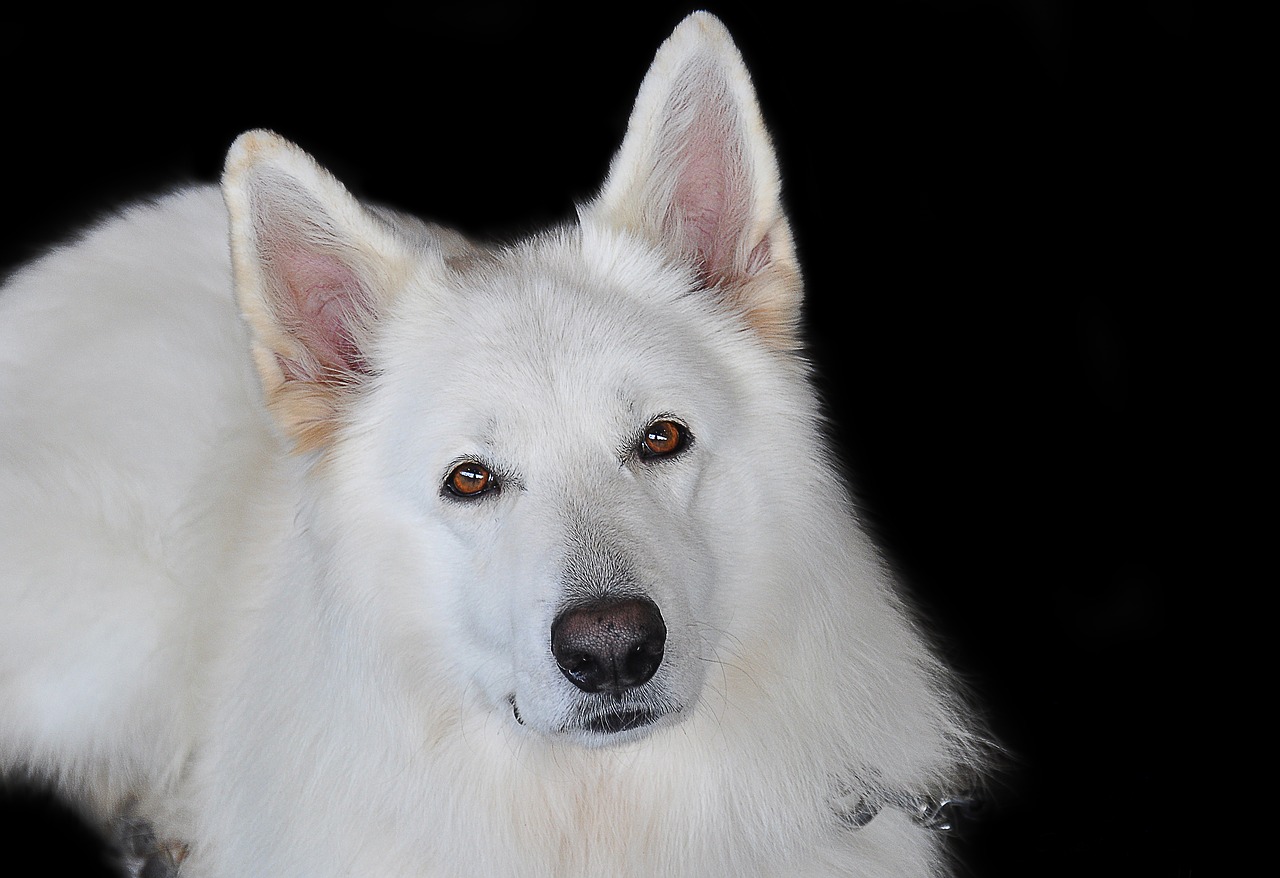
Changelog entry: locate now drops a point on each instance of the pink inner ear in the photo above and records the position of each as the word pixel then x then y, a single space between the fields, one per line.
pixel 700 204
pixel 324 302
pixel 711 197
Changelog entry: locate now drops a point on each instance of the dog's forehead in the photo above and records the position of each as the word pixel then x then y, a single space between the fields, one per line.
pixel 530 338
pixel 557 316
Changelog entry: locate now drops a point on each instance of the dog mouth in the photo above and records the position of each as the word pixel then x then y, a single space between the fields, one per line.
pixel 612 721
pixel 623 720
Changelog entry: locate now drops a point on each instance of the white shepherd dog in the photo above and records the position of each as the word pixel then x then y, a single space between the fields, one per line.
pixel 333 544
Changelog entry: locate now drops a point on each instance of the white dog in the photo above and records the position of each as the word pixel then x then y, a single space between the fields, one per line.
pixel 356 549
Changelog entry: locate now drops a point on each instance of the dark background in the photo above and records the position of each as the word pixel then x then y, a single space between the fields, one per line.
pixel 999 210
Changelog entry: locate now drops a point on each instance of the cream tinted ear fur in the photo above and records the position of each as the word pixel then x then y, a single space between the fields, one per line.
pixel 313 271
pixel 697 175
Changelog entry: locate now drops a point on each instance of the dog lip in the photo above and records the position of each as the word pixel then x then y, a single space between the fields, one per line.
pixel 621 721
pixel 609 722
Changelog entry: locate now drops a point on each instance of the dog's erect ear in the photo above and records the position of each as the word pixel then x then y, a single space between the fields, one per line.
pixel 313 272
pixel 697 174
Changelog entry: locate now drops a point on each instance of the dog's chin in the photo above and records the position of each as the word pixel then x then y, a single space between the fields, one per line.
pixel 604 726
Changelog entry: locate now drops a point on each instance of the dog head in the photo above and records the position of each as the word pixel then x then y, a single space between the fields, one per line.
pixel 557 424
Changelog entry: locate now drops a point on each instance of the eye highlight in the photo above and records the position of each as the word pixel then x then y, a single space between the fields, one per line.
pixel 663 438
pixel 470 479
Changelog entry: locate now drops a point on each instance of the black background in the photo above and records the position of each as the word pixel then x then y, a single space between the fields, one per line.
pixel 999 210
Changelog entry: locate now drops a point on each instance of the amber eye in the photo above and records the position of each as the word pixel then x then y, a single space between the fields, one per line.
pixel 469 479
pixel 663 438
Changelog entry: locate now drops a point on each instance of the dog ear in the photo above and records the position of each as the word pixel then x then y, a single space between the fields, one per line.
pixel 697 174
pixel 313 271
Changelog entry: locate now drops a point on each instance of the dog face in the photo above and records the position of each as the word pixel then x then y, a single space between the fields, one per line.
pixel 554 418
pixel 566 456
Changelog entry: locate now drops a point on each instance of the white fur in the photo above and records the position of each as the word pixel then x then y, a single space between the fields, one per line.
pixel 234 597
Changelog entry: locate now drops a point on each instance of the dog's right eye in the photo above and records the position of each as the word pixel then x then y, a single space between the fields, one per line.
pixel 470 479
pixel 663 438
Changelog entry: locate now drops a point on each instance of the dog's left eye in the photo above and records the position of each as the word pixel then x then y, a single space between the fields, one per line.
pixel 663 438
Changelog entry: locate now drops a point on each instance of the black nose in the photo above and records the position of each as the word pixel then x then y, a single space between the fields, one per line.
pixel 609 646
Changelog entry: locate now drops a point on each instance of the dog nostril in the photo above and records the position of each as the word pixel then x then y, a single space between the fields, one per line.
pixel 609 646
